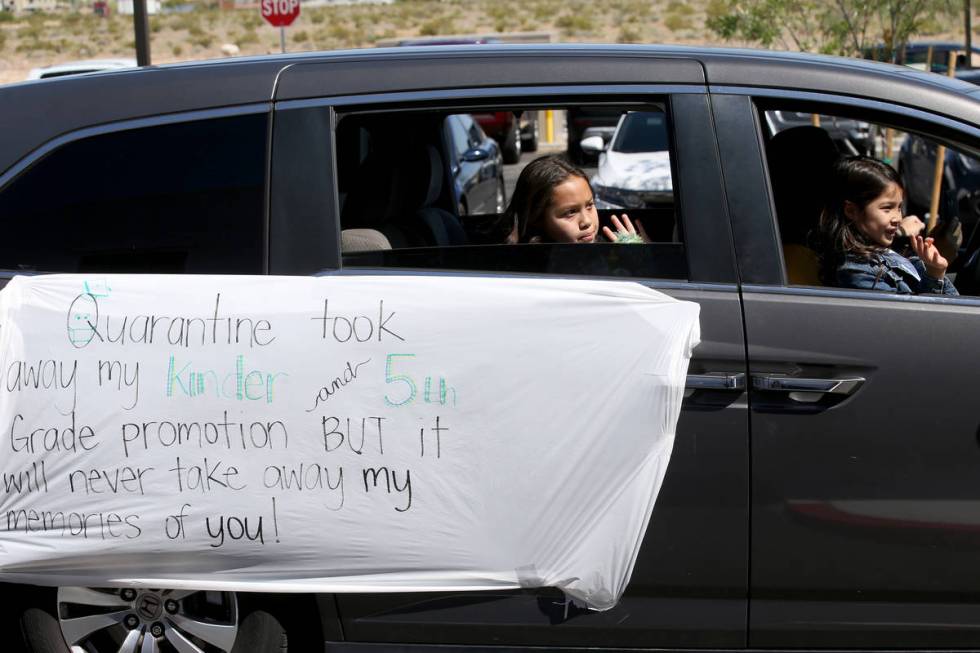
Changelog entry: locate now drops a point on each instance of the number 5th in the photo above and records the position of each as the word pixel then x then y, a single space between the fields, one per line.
pixel 408 392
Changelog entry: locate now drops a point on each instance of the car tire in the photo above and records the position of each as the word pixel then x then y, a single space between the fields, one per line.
pixel 195 617
pixel 529 141
pixel 511 147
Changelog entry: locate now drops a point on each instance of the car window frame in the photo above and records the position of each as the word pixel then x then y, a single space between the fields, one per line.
pixel 769 275
pixel 710 259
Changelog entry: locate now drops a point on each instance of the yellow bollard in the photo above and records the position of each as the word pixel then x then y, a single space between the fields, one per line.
pixel 549 126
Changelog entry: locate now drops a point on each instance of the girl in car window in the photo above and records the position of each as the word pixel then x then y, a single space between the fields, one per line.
pixel 553 203
pixel 858 224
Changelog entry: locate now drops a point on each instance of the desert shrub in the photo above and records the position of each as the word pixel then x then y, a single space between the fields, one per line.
pixel 301 36
pixel 251 20
pixel 177 50
pixel 29 32
pixel 678 7
pixel 677 22
pixel 317 17
pixel 629 34
pixel 437 26
pixel 340 31
pixel 574 23
pixel 202 40
pixel 251 36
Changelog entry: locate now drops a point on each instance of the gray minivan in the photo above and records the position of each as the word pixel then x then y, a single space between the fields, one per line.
pixel 823 491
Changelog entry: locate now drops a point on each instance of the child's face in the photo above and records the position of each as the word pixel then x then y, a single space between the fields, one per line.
pixel 571 217
pixel 880 218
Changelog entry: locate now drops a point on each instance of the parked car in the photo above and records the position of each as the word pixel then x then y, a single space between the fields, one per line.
pixel 851 136
pixel 822 491
pixel 80 67
pixel 916 54
pixel 583 122
pixel 477 167
pixel 516 133
pixel 634 170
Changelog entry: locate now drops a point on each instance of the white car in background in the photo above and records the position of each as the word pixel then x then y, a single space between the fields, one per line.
pixel 634 170
pixel 80 67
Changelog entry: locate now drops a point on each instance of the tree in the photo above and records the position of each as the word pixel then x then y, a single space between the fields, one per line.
pixel 846 27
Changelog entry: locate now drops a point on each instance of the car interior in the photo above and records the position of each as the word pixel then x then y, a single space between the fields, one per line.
pixel 399 208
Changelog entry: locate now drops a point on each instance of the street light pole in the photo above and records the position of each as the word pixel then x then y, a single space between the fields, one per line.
pixel 141 25
pixel 968 19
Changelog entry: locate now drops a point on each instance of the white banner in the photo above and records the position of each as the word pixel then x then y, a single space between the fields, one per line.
pixel 335 434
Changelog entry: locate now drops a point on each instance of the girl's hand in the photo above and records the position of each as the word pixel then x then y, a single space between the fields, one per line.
pixel 911 226
pixel 935 263
pixel 625 232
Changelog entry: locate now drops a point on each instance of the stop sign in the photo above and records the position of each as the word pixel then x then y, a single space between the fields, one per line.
pixel 280 13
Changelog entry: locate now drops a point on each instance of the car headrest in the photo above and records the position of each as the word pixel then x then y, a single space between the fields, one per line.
pixel 800 163
pixel 418 178
pixel 362 240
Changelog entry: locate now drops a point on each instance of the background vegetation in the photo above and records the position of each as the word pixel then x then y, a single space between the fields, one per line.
pixel 28 40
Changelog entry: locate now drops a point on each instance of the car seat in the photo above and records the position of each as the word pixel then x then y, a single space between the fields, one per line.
pixel 396 192
pixel 800 165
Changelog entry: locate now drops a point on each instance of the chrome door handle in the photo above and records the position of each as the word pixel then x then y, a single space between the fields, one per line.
pixel 716 381
pixel 780 383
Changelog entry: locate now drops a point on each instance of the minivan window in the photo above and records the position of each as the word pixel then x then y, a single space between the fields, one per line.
pixel 412 200
pixel 176 198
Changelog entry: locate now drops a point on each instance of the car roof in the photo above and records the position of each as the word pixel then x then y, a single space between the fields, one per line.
pixel 71 103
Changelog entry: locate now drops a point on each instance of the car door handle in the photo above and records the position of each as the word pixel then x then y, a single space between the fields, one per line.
pixel 779 383
pixel 716 381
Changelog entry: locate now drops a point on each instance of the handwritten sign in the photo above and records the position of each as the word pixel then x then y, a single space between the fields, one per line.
pixel 336 433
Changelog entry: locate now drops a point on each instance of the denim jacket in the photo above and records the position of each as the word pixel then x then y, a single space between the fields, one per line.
pixel 889 271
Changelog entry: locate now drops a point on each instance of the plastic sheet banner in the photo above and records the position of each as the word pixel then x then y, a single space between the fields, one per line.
pixel 335 434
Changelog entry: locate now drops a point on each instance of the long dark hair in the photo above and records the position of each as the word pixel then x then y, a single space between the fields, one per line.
pixel 532 193
pixel 856 179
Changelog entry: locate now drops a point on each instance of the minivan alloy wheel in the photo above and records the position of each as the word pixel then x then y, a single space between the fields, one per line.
pixel 132 620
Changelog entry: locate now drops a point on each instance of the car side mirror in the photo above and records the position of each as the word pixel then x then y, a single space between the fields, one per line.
pixel 475 154
pixel 592 145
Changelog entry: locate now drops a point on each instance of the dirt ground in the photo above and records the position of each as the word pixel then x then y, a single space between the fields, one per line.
pixel 31 40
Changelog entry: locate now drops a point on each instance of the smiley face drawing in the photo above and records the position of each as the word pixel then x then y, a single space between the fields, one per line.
pixel 83 315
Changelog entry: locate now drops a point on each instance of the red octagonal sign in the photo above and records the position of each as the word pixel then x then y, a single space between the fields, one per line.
pixel 280 13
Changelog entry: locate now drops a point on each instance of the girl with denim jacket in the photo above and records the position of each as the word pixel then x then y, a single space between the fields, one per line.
pixel 859 223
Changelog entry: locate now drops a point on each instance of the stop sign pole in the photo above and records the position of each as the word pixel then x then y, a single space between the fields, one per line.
pixel 281 14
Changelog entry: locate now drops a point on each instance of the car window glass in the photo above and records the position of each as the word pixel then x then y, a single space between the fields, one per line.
pixel 408 203
pixel 803 149
pixel 175 198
